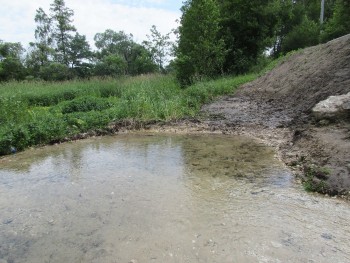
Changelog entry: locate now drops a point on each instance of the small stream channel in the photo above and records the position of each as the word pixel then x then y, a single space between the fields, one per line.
pixel 144 198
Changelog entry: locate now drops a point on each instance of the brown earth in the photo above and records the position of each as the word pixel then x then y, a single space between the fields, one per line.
pixel 277 109
pixel 284 97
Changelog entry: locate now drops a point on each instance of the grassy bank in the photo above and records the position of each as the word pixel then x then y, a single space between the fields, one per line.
pixel 34 113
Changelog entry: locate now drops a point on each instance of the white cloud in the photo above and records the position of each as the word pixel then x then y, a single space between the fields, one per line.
pixel 90 17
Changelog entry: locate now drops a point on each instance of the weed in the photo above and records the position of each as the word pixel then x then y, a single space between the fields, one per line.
pixel 84 104
pixel 315 179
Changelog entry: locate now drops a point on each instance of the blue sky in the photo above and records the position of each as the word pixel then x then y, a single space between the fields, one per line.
pixel 91 17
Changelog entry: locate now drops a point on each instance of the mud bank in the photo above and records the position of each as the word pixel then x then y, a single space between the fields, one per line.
pixel 277 108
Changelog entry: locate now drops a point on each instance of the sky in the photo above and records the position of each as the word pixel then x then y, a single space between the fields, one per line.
pixel 91 16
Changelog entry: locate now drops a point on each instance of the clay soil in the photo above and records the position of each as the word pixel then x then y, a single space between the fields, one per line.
pixel 276 108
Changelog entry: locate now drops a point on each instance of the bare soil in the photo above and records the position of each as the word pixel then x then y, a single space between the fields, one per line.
pixel 276 108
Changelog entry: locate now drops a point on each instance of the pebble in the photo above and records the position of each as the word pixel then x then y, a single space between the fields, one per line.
pixel 327 236
pixel 7 221
pixel 276 244
pixel 258 191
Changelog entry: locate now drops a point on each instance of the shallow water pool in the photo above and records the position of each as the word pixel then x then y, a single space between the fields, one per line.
pixel 145 198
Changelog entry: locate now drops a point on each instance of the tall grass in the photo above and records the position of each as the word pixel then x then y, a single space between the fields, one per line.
pixel 33 113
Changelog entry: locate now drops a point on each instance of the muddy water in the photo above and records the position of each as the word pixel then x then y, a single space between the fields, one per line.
pixel 138 198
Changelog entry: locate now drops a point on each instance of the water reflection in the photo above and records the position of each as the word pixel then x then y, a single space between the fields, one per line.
pixel 163 199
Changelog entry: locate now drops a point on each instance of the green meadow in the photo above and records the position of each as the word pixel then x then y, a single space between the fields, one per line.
pixel 37 113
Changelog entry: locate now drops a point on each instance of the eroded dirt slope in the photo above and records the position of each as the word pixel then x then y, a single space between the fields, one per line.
pixel 277 107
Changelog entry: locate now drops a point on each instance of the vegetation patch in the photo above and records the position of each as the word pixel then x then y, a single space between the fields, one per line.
pixel 84 104
pixel 315 179
pixel 36 113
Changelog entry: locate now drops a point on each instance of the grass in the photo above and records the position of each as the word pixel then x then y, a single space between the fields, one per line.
pixel 36 113
pixel 315 179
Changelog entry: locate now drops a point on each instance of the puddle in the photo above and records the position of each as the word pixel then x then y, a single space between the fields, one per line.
pixel 138 198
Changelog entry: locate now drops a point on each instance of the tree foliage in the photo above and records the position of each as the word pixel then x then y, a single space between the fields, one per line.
pixel 214 37
pixel 339 24
pixel 200 52
pixel 43 36
pixel 134 57
pixel 239 32
pixel 247 29
pixel 62 18
pixel 11 66
pixel 55 72
pixel 303 35
pixel 159 47
pixel 79 51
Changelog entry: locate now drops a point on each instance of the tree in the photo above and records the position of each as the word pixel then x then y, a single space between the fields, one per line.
pixel 111 65
pixel 55 43
pixel 298 24
pixel 40 52
pixel 200 52
pixel 11 66
pixel 119 44
pixel 79 50
pixel 43 36
pixel 9 49
pixel 141 61
pixel 159 46
pixel 80 56
pixel 111 42
pixel 247 28
pixel 62 31
pixel 305 34
pixel 339 24
pixel 55 72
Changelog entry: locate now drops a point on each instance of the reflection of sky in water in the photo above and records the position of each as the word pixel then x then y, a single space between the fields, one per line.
pixel 162 199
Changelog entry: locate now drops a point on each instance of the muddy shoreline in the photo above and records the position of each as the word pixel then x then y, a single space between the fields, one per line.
pixel 299 147
pixel 277 109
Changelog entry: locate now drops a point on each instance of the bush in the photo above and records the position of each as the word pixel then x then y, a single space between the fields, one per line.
pixel 112 65
pixel 55 72
pixel 11 69
pixel 84 104
pixel 84 121
pixel 12 110
pixel 49 98
pixel 184 70
pixel 315 179
pixel 6 140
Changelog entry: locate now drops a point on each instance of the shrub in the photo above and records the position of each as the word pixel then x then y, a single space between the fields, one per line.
pixel 84 104
pixel 112 65
pixel 315 179
pixel 55 72
pixel 84 121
